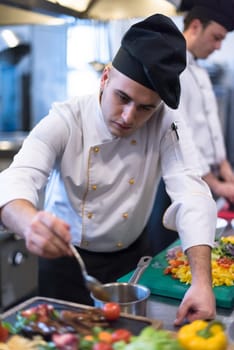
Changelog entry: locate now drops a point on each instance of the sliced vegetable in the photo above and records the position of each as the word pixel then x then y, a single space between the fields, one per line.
pixel 4 333
pixel 105 337
pixel 121 334
pixel 150 339
pixel 102 346
pixel 65 341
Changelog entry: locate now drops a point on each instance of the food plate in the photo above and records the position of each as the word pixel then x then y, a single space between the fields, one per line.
pixel 133 323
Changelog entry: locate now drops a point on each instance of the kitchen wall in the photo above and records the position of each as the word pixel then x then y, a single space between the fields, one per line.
pixel 38 78
pixel 54 75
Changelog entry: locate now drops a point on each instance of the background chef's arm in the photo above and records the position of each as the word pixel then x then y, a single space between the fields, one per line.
pixel 226 171
pixel 214 183
pixel 220 188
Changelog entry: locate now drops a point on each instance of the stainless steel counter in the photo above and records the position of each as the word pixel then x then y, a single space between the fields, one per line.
pixel 164 309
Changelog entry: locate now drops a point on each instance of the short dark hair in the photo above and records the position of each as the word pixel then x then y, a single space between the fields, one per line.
pixel 220 11
pixel 190 16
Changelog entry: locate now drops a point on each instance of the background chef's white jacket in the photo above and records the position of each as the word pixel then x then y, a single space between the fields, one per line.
pixel 199 106
pixel 104 186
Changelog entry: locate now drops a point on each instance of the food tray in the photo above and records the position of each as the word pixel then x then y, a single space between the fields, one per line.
pixel 131 322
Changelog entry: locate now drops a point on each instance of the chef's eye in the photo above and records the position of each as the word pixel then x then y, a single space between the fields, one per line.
pixel 123 98
pixel 146 108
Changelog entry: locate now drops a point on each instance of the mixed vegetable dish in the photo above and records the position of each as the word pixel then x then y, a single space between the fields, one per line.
pixel 222 263
pixel 44 328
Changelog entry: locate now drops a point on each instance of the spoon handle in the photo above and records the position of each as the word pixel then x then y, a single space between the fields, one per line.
pixel 79 259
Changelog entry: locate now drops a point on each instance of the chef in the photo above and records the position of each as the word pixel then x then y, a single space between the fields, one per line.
pixel 97 159
pixel 206 26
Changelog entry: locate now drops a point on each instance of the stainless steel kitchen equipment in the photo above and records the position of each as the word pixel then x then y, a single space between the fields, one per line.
pixel 18 270
pixel 131 297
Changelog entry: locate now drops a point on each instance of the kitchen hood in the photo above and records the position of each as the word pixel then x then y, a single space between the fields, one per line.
pixel 50 11
pixel 13 15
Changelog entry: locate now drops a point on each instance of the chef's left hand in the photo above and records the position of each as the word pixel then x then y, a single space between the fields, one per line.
pixel 198 303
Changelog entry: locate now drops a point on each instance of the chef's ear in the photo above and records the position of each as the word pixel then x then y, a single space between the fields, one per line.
pixel 105 76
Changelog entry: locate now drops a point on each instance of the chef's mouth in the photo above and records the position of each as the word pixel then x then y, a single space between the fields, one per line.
pixel 123 126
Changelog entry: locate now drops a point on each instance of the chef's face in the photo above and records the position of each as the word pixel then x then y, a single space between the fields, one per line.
pixel 126 105
pixel 206 39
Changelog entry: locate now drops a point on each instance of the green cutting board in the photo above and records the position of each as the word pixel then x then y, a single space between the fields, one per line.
pixel 164 285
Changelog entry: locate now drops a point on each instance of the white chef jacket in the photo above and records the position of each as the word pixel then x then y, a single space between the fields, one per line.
pixel 104 186
pixel 199 106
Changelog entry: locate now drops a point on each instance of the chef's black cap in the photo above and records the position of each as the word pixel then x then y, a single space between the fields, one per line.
pixel 153 53
pixel 220 11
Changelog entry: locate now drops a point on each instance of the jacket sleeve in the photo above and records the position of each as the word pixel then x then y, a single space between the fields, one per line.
pixel 193 211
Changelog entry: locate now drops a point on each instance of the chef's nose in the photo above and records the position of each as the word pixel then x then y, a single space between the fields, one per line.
pixel 129 114
pixel 218 45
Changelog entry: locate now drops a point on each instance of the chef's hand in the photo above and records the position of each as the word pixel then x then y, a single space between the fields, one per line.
pixel 198 303
pixel 45 234
pixel 199 300
pixel 226 171
pixel 48 236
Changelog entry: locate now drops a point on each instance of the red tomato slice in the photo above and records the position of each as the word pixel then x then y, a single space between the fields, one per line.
pixel 102 346
pixel 3 333
pixel 121 334
pixel 111 311
pixel 28 312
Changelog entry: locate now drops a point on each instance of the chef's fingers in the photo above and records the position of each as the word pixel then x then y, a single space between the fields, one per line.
pixel 181 315
pixel 188 315
pixel 43 249
pixel 196 305
pixel 58 226
pixel 48 236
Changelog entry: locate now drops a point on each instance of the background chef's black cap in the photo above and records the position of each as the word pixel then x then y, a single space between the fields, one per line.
pixel 220 11
pixel 153 53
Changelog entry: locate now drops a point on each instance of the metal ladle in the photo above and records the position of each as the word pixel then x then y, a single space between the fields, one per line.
pixel 91 282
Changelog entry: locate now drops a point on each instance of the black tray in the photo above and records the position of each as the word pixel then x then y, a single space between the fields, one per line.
pixel 131 322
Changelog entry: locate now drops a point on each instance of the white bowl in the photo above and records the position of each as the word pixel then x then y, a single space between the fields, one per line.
pixel 220 226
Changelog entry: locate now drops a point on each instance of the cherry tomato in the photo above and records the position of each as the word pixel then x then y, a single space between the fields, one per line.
pixel 121 334
pixel 111 311
pixel 102 346
pixel 3 333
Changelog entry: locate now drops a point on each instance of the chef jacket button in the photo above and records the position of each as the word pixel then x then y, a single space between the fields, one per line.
pixel 125 215
pixel 119 245
pixel 96 149
pixel 94 187
pixel 85 243
pixel 90 215
pixel 133 142
pixel 131 181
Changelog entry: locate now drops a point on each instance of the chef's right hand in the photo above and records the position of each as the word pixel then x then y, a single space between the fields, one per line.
pixel 48 236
